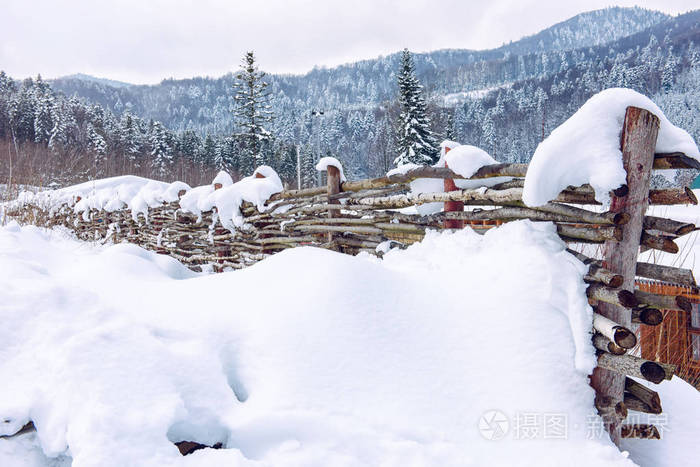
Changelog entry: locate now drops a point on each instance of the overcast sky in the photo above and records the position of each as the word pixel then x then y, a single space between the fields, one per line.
pixel 144 41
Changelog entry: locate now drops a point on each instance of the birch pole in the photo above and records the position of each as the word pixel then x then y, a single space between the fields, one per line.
pixel 638 140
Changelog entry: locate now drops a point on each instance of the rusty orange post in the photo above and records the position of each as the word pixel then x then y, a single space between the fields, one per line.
pixel 452 206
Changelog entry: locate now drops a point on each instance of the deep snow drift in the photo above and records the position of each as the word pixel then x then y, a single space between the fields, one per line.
pixel 115 352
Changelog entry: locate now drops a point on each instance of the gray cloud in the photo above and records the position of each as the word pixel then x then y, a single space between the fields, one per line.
pixel 148 40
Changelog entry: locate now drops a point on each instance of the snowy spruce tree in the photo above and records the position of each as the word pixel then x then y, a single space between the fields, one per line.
pixel 98 146
pixel 253 112
pixel 161 150
pixel 416 142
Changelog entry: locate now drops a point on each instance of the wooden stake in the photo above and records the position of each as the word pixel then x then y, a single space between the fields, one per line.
pixel 333 187
pixel 638 140
pixel 452 206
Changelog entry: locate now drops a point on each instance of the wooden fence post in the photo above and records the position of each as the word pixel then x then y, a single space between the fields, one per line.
pixel 638 140
pixel 333 184
pixel 452 206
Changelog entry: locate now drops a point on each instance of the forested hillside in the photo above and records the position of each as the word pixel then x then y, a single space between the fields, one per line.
pixel 504 100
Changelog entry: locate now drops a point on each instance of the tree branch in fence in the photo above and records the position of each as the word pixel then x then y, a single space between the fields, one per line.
pixel 666 274
pixel 634 403
pixel 619 297
pixel 643 393
pixel 668 226
pixel 659 242
pixel 634 366
pixel 604 344
pixel 613 331
pixel 674 160
pixel 671 196
pixel 663 302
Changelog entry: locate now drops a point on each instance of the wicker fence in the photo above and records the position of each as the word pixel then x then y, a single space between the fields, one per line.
pixel 376 214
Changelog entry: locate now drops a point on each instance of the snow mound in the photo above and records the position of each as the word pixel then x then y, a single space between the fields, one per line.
pixel 325 162
pixel 140 194
pixel 108 194
pixel 678 426
pixel 256 189
pixel 586 148
pixel 222 178
pixel 466 160
pixel 356 361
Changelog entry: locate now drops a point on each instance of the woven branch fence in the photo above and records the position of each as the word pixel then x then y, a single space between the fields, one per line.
pixel 369 215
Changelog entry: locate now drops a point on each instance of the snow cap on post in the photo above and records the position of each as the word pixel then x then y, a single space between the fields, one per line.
pixel 585 149
pixel 325 162
pixel 445 146
pixel 221 180
pixel 267 172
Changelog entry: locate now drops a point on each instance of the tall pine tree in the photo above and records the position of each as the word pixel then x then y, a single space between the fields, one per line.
pixel 416 142
pixel 253 112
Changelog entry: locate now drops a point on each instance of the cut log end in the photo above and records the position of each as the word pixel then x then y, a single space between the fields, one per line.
pixel 691 196
pixel 652 371
pixel 684 304
pixel 685 229
pixel 616 281
pixel 601 342
pixel 621 191
pixel 625 338
pixel 621 218
pixel 627 299
pixel 648 316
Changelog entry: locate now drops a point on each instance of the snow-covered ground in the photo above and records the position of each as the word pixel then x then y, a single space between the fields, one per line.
pixel 308 358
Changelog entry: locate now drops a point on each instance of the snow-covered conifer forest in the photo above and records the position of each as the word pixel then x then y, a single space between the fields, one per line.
pixel 504 100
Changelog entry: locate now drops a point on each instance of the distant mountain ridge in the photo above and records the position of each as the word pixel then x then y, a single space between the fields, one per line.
pixel 363 83
pixel 95 79
pixel 587 29
pixel 499 100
